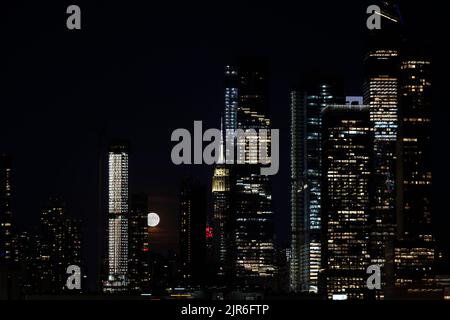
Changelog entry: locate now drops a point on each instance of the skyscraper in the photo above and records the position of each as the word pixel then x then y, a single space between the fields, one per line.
pixel 192 232
pixel 415 153
pixel 231 103
pixel 345 193
pixel 252 230
pixel 307 102
pixel 413 256
pixel 9 255
pixel 139 245
pixel 221 213
pixel 6 232
pixel 381 95
pixel 118 211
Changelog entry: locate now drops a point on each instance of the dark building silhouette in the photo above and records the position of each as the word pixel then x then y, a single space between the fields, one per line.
pixel 7 239
pixel 192 228
pixel 139 258
pixel 163 272
pixel 28 244
pixel 59 247
pixel 413 257
pixel 9 255
pixel 415 150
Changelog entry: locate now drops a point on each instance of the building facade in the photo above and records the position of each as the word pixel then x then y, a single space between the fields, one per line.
pixel 221 224
pixel 6 217
pixel 381 94
pixel 59 246
pixel 345 191
pixel 192 241
pixel 118 214
pixel 139 257
pixel 252 230
pixel 307 102
pixel 414 254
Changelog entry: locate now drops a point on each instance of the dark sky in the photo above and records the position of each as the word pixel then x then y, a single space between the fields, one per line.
pixel 140 69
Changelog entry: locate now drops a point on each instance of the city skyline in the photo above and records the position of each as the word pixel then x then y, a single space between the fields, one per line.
pixel 160 182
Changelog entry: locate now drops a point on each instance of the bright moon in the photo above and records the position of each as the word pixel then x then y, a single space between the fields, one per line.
pixel 152 219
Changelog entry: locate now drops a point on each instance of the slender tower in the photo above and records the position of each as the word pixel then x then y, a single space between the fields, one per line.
pixel 6 238
pixel 381 82
pixel 252 230
pixel 117 280
pixel 221 211
pixel 307 102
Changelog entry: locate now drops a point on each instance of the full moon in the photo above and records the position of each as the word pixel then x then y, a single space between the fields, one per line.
pixel 152 219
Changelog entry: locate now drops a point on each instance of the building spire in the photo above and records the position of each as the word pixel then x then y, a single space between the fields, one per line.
pixel 221 159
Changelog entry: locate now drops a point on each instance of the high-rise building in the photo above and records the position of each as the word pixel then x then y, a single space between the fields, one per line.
pixel 59 247
pixel 307 102
pixel 414 254
pixel 118 212
pixel 345 206
pixel 7 239
pixel 381 81
pixel 252 230
pixel 231 104
pixel 192 229
pixel 139 258
pixel 9 282
pixel 415 153
pixel 221 214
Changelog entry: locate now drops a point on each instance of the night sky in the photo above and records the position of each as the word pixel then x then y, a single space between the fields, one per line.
pixel 138 71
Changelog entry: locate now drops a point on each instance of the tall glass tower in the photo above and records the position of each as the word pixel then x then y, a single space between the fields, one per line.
pixel 251 227
pixel 117 280
pixel 307 102
pixel 381 81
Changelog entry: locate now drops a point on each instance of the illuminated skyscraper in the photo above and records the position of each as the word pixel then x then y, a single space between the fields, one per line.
pixel 381 95
pixel 118 212
pixel 345 194
pixel 307 102
pixel 252 230
pixel 221 213
pixel 231 103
